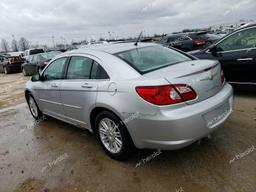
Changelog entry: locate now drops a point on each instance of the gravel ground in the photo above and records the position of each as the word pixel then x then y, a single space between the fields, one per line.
pixel 52 156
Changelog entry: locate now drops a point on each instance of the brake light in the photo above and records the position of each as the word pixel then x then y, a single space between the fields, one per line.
pixel 166 94
pixel 222 76
pixel 199 42
pixel 46 62
pixel 186 92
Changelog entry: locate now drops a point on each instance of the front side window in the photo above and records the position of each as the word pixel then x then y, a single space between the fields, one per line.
pixel 79 68
pixel 151 58
pixel 240 40
pixel 55 69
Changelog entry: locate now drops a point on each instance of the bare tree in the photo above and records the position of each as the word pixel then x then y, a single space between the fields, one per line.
pixel 14 45
pixel 4 45
pixel 23 44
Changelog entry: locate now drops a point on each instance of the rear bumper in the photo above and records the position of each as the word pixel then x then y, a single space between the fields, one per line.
pixel 14 67
pixel 178 128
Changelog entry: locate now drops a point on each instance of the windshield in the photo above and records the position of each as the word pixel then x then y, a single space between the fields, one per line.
pixel 151 58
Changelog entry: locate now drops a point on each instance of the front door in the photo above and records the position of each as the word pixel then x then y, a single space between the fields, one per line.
pixel 236 53
pixel 48 92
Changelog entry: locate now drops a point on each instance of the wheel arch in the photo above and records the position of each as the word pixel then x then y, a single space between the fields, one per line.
pixel 27 93
pixel 98 109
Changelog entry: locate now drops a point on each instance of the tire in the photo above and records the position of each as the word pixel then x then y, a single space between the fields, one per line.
pixel 33 107
pixel 6 71
pixel 118 143
pixel 24 72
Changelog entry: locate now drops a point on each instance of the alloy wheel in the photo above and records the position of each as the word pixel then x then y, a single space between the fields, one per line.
pixel 33 107
pixel 110 135
pixel 5 70
pixel 24 72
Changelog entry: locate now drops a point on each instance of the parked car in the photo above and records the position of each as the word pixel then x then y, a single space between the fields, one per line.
pixel 212 37
pixel 48 55
pixel 29 52
pixel 146 96
pixel 36 62
pixel 10 64
pixel 237 54
pixel 187 41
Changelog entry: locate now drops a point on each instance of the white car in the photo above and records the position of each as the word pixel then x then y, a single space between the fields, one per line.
pixel 142 95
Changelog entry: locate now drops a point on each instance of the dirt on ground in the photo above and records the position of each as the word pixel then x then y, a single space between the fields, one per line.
pixel 52 156
pixel 12 89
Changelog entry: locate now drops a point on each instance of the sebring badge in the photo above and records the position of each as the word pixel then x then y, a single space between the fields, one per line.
pixel 209 76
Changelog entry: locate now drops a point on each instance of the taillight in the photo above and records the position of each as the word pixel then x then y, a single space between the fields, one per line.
pixel 46 62
pixel 199 42
pixel 222 76
pixel 166 94
pixel 186 92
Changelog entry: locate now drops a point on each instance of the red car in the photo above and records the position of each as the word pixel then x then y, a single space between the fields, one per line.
pixel 10 64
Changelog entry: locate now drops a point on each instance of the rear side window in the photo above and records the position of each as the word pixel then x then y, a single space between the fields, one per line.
pixel 98 72
pixel 151 58
pixel 14 59
pixel 79 68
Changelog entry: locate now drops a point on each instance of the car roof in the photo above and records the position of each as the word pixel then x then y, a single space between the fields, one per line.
pixel 188 33
pixel 115 48
pixel 105 52
pixel 248 25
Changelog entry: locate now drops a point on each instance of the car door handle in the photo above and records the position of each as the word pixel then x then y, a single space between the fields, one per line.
pixel 54 85
pixel 86 85
pixel 245 59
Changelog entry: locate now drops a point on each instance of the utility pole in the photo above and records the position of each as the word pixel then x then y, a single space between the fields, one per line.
pixel 53 42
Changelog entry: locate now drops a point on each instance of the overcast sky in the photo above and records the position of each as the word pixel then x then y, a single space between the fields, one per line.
pixel 39 20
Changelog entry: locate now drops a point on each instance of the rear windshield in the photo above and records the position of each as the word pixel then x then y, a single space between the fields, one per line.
pixel 151 58
pixel 35 51
pixel 12 59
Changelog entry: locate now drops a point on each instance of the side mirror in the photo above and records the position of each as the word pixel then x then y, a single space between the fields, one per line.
pixel 213 49
pixel 37 77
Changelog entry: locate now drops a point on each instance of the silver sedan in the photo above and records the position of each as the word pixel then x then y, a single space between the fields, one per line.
pixel 143 96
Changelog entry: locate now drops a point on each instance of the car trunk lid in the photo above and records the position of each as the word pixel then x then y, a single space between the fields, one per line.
pixel 204 76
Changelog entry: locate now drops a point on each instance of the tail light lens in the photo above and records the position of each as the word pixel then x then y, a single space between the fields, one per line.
pixel 167 94
pixel 186 92
pixel 199 42
pixel 46 62
pixel 222 77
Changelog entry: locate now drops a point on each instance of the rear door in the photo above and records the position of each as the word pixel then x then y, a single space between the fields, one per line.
pixel 79 89
pixel 237 55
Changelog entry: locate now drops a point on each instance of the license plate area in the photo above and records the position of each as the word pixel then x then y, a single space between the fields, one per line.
pixel 216 116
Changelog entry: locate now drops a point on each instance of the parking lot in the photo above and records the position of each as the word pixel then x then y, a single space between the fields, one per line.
pixel 50 155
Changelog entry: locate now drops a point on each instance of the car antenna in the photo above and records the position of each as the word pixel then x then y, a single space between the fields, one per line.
pixel 136 43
